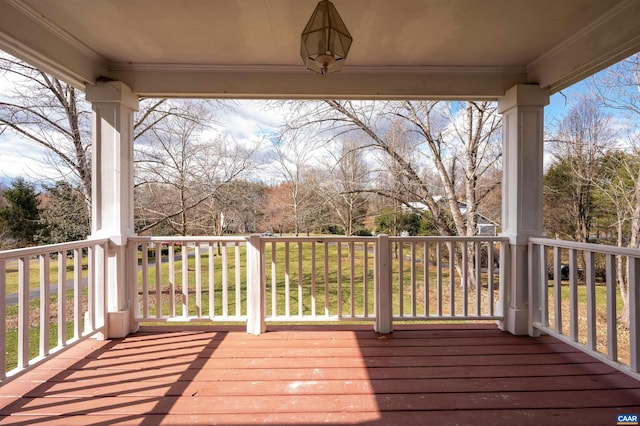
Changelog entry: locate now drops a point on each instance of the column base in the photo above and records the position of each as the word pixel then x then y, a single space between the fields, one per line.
pixel 120 324
pixel 516 322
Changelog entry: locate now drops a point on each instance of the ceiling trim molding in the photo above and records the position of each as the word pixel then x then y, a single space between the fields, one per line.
pixel 272 83
pixel 58 32
pixel 300 69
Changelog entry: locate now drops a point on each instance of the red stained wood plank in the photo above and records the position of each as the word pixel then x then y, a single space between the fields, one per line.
pixel 433 374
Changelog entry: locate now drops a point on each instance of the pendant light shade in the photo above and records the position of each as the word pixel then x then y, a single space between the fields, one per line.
pixel 325 41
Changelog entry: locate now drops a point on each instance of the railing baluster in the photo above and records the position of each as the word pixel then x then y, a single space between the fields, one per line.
pixel 45 304
pixel 413 279
pixel 225 281
pixel 313 278
pixel 326 278
pixel 212 286
pixel 478 277
pixel 287 280
pixel 62 299
pixel 198 273
pixel 465 279
pixel 23 312
pixel 452 282
pixel 490 272
pixel 590 280
pixel 157 250
pixel 172 280
pixel 145 279
pixel 400 248
pixel 274 282
pixel 557 288
pixel 339 277
pixel 300 300
pixel 101 269
pixel 439 276
pixel 365 266
pixel 425 267
pixel 238 280
pixel 185 279
pixel 274 288
pixel 573 294
pixel 612 329
pixel 134 292
pixel 91 286
pixel 544 295
pixel 352 272
pixel 77 293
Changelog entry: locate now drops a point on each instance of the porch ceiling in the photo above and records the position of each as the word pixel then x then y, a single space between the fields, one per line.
pixel 250 49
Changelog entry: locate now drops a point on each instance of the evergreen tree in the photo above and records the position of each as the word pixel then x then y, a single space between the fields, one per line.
pixel 20 217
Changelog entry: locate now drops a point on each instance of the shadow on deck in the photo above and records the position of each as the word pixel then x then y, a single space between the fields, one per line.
pixel 426 374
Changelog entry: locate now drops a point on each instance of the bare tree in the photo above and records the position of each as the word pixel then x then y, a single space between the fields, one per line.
pixel 416 141
pixel 180 168
pixel 292 155
pixel 580 140
pixel 618 88
pixel 346 175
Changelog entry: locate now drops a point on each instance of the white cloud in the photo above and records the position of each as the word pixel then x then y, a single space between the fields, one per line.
pixel 22 158
pixel 251 121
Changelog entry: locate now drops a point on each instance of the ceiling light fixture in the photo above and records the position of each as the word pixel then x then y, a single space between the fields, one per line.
pixel 325 41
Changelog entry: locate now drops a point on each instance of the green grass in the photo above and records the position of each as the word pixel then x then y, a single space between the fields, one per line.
pixel 12 273
pixel 34 331
pixel 622 333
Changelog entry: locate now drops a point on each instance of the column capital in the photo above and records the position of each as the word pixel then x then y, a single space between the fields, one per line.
pixel 523 95
pixel 112 92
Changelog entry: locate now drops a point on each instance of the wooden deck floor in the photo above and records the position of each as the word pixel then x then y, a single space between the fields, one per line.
pixel 426 375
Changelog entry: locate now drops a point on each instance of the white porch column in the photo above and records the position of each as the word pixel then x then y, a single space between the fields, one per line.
pixel 522 108
pixel 112 192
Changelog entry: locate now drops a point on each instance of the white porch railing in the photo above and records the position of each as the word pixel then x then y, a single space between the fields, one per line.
pixel 448 278
pixel 377 279
pixel 574 297
pixel 51 297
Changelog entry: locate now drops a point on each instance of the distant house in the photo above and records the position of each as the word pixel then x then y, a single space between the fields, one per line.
pixel 485 226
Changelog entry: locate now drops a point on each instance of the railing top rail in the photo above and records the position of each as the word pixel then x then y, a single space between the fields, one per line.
pixel 599 248
pixel 451 238
pixel 50 248
pixel 319 238
pixel 191 239
pixel 312 238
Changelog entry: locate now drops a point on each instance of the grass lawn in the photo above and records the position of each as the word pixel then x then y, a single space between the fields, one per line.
pixel 601 318
pixel 34 328
pixel 34 272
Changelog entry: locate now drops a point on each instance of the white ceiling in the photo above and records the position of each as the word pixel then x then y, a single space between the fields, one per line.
pixel 250 48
